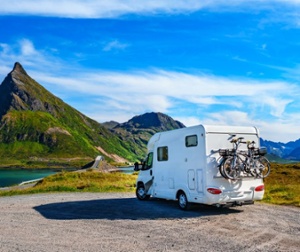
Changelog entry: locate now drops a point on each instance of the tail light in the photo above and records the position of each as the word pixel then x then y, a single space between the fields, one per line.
pixel 259 188
pixel 214 190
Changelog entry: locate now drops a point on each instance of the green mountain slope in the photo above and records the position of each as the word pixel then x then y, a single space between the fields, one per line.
pixel 35 123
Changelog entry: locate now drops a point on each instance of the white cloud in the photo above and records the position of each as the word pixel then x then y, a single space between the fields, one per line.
pixel 278 131
pixel 159 90
pixel 189 121
pixel 115 8
pixel 244 102
pixel 27 48
pixel 228 118
pixel 95 8
pixel 277 105
pixel 25 52
pixel 274 130
pixel 114 45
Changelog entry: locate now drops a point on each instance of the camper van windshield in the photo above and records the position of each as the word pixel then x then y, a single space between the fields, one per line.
pixel 148 161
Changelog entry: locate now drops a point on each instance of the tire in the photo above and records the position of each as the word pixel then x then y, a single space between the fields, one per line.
pixel 232 169
pixel 182 201
pixel 263 167
pixel 141 193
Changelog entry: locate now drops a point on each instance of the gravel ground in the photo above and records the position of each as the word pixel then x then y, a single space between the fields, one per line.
pixel 119 222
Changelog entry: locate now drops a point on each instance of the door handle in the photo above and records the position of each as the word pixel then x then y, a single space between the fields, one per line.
pixel 150 172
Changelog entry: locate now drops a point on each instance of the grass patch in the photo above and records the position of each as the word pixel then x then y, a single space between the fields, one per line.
pixel 282 186
pixel 46 162
pixel 85 181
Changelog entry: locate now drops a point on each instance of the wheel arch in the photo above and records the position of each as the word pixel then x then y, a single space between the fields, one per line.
pixel 139 183
pixel 179 191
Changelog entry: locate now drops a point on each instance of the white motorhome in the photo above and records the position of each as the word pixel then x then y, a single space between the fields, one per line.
pixel 183 165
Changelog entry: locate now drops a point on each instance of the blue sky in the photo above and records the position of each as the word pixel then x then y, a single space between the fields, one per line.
pixel 201 62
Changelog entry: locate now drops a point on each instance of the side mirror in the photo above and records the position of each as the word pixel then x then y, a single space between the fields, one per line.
pixel 138 166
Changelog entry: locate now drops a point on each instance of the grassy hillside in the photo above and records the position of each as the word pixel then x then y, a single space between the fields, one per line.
pixel 283 185
pixel 28 134
pixel 36 124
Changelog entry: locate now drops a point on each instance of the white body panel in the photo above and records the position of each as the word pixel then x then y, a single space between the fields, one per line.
pixel 193 169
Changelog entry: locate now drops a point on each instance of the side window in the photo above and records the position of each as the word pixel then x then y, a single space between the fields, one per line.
pixel 162 153
pixel 191 141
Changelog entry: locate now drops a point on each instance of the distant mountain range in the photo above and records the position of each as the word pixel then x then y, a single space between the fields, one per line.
pixel 287 151
pixel 36 124
pixel 138 130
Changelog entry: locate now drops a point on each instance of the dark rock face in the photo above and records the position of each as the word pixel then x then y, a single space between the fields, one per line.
pixel 153 120
pixel 19 91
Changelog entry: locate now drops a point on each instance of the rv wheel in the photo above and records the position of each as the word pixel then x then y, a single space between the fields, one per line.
pixel 141 193
pixel 182 201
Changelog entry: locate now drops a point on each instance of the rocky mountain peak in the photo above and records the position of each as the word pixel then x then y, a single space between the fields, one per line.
pixel 18 69
pixel 19 91
pixel 154 120
pixel 36 123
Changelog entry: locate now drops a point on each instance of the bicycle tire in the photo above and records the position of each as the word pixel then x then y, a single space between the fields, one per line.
pixel 263 168
pixel 232 170
pixel 221 168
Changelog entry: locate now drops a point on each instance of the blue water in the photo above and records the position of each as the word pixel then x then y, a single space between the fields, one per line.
pixel 9 177
pixel 127 169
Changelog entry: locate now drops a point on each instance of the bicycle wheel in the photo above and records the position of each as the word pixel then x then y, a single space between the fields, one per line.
pixel 221 168
pixel 231 168
pixel 263 167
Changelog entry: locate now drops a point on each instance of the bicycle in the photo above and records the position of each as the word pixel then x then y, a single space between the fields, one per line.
pixel 231 164
pixel 251 162
pixel 258 165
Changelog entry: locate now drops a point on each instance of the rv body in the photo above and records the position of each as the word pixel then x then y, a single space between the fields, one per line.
pixel 183 165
